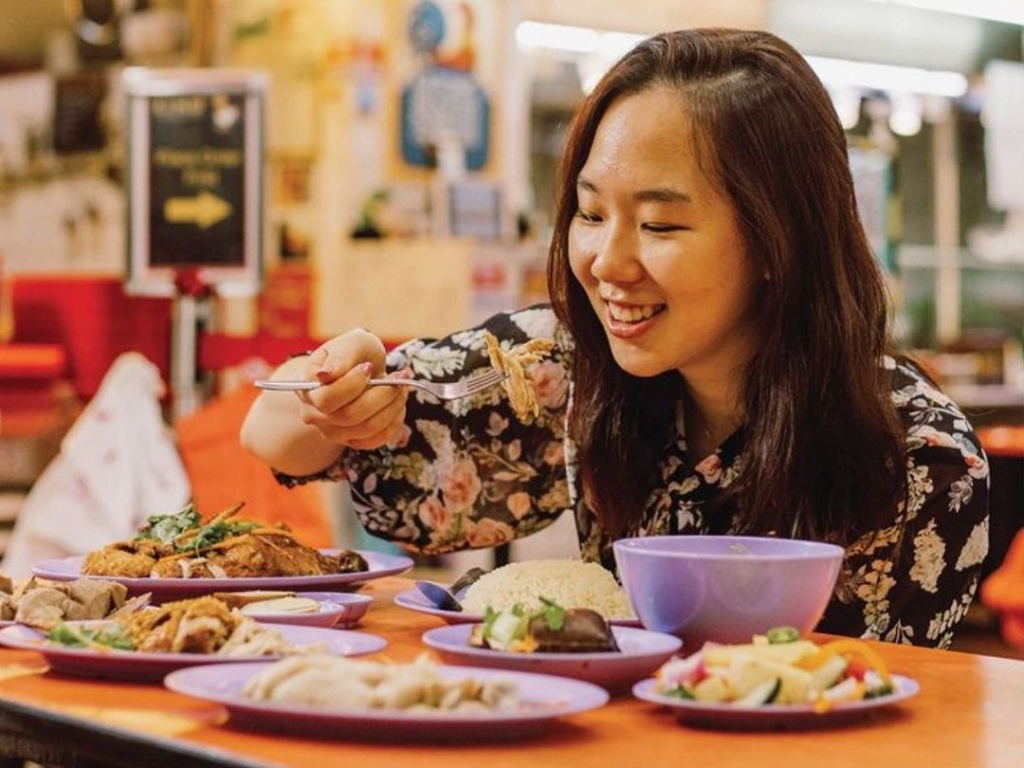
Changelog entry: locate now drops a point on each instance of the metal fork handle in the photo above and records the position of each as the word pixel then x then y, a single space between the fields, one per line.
pixel 284 385
pixel 308 385
pixel 417 383
pixel 443 391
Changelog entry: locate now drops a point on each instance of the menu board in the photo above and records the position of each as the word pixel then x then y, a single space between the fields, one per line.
pixel 195 180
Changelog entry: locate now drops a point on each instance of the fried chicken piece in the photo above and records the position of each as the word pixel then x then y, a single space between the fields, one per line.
pixel 201 625
pixel 117 562
pixel 269 555
pixel 129 559
pixel 518 386
pixel 183 567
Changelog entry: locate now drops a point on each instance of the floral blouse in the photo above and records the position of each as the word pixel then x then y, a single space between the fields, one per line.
pixel 469 474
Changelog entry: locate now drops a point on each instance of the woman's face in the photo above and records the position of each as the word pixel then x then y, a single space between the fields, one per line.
pixel 658 249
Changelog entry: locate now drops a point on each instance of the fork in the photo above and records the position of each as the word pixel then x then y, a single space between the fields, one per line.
pixel 451 390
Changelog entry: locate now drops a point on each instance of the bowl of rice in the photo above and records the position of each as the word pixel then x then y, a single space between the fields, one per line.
pixel 570 583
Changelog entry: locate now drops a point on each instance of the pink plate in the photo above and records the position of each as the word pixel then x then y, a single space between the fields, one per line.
pixel 641 652
pixel 544 699
pixel 414 600
pixel 139 666
pixel 163 590
pixel 342 609
pixel 773 716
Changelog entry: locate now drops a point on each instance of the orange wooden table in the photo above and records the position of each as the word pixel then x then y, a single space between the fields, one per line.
pixel 967 714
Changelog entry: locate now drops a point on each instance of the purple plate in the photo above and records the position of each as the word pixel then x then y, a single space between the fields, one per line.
pixel 342 609
pixel 139 666
pixel 769 716
pixel 414 600
pixel 544 699
pixel 641 653
pixel 163 590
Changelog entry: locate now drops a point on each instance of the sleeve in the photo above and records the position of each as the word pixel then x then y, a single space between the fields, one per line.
pixel 914 581
pixel 467 473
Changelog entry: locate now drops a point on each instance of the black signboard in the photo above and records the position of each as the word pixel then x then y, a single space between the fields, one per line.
pixel 195 162
pixel 76 117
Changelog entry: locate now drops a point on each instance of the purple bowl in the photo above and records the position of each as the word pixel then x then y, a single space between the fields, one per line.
pixel 726 589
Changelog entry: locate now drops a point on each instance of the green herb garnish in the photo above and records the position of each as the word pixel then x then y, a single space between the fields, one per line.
pixel 166 528
pixel 86 637
pixel 208 535
pixel 186 533
pixel 553 613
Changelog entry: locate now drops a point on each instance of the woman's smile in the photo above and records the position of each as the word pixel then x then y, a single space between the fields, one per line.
pixel 627 321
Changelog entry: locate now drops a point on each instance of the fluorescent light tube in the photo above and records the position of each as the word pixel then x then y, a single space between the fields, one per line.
pixel 833 72
pixel 1007 11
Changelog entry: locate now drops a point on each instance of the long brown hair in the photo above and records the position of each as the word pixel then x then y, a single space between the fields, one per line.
pixel 823 453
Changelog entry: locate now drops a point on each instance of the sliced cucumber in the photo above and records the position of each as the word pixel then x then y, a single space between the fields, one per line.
pixel 829 673
pixel 764 693
pixel 778 635
pixel 506 628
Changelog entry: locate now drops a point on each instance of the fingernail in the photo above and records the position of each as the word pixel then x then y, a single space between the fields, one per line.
pixel 366 369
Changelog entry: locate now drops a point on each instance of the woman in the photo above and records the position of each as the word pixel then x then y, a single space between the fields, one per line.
pixel 721 361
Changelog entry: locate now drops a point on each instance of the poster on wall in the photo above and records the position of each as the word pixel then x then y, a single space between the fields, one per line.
pixel 195 180
pixel 443 105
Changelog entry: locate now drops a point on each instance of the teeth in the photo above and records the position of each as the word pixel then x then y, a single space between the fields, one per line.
pixel 632 314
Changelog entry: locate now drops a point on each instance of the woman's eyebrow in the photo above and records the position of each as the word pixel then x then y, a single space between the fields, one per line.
pixel 654 194
pixel 662 195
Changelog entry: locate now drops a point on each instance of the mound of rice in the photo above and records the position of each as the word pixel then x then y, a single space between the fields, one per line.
pixel 570 583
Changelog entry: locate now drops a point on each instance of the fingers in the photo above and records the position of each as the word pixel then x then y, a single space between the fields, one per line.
pixel 338 388
pixel 369 421
pixel 344 409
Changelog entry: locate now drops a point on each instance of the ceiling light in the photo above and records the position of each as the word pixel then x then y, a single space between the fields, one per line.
pixel 905 118
pixel 835 73
pixel 1008 11
pixel 887 77
pixel 556 37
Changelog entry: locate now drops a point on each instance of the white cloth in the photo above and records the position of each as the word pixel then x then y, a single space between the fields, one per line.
pixel 117 465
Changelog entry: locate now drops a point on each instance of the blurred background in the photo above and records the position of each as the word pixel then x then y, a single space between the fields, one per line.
pixel 399 175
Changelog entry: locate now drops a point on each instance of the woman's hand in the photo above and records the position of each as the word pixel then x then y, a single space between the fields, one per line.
pixel 344 410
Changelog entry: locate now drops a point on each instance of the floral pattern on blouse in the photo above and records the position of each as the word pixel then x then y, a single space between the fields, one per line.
pixel 469 474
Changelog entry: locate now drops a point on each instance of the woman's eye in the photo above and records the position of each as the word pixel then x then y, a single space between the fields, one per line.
pixel 663 228
pixel 589 218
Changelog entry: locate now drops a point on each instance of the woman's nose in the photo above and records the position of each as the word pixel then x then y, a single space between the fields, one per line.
pixel 616 258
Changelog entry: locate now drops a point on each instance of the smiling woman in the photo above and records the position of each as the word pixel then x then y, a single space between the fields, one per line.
pixel 721 361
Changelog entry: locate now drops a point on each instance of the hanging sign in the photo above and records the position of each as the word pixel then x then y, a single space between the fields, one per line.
pixel 195 180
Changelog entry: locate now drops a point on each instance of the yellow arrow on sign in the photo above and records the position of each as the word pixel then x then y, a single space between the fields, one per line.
pixel 204 210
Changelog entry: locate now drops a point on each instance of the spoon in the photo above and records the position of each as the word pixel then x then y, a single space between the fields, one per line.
pixel 449 599
pixel 438 595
